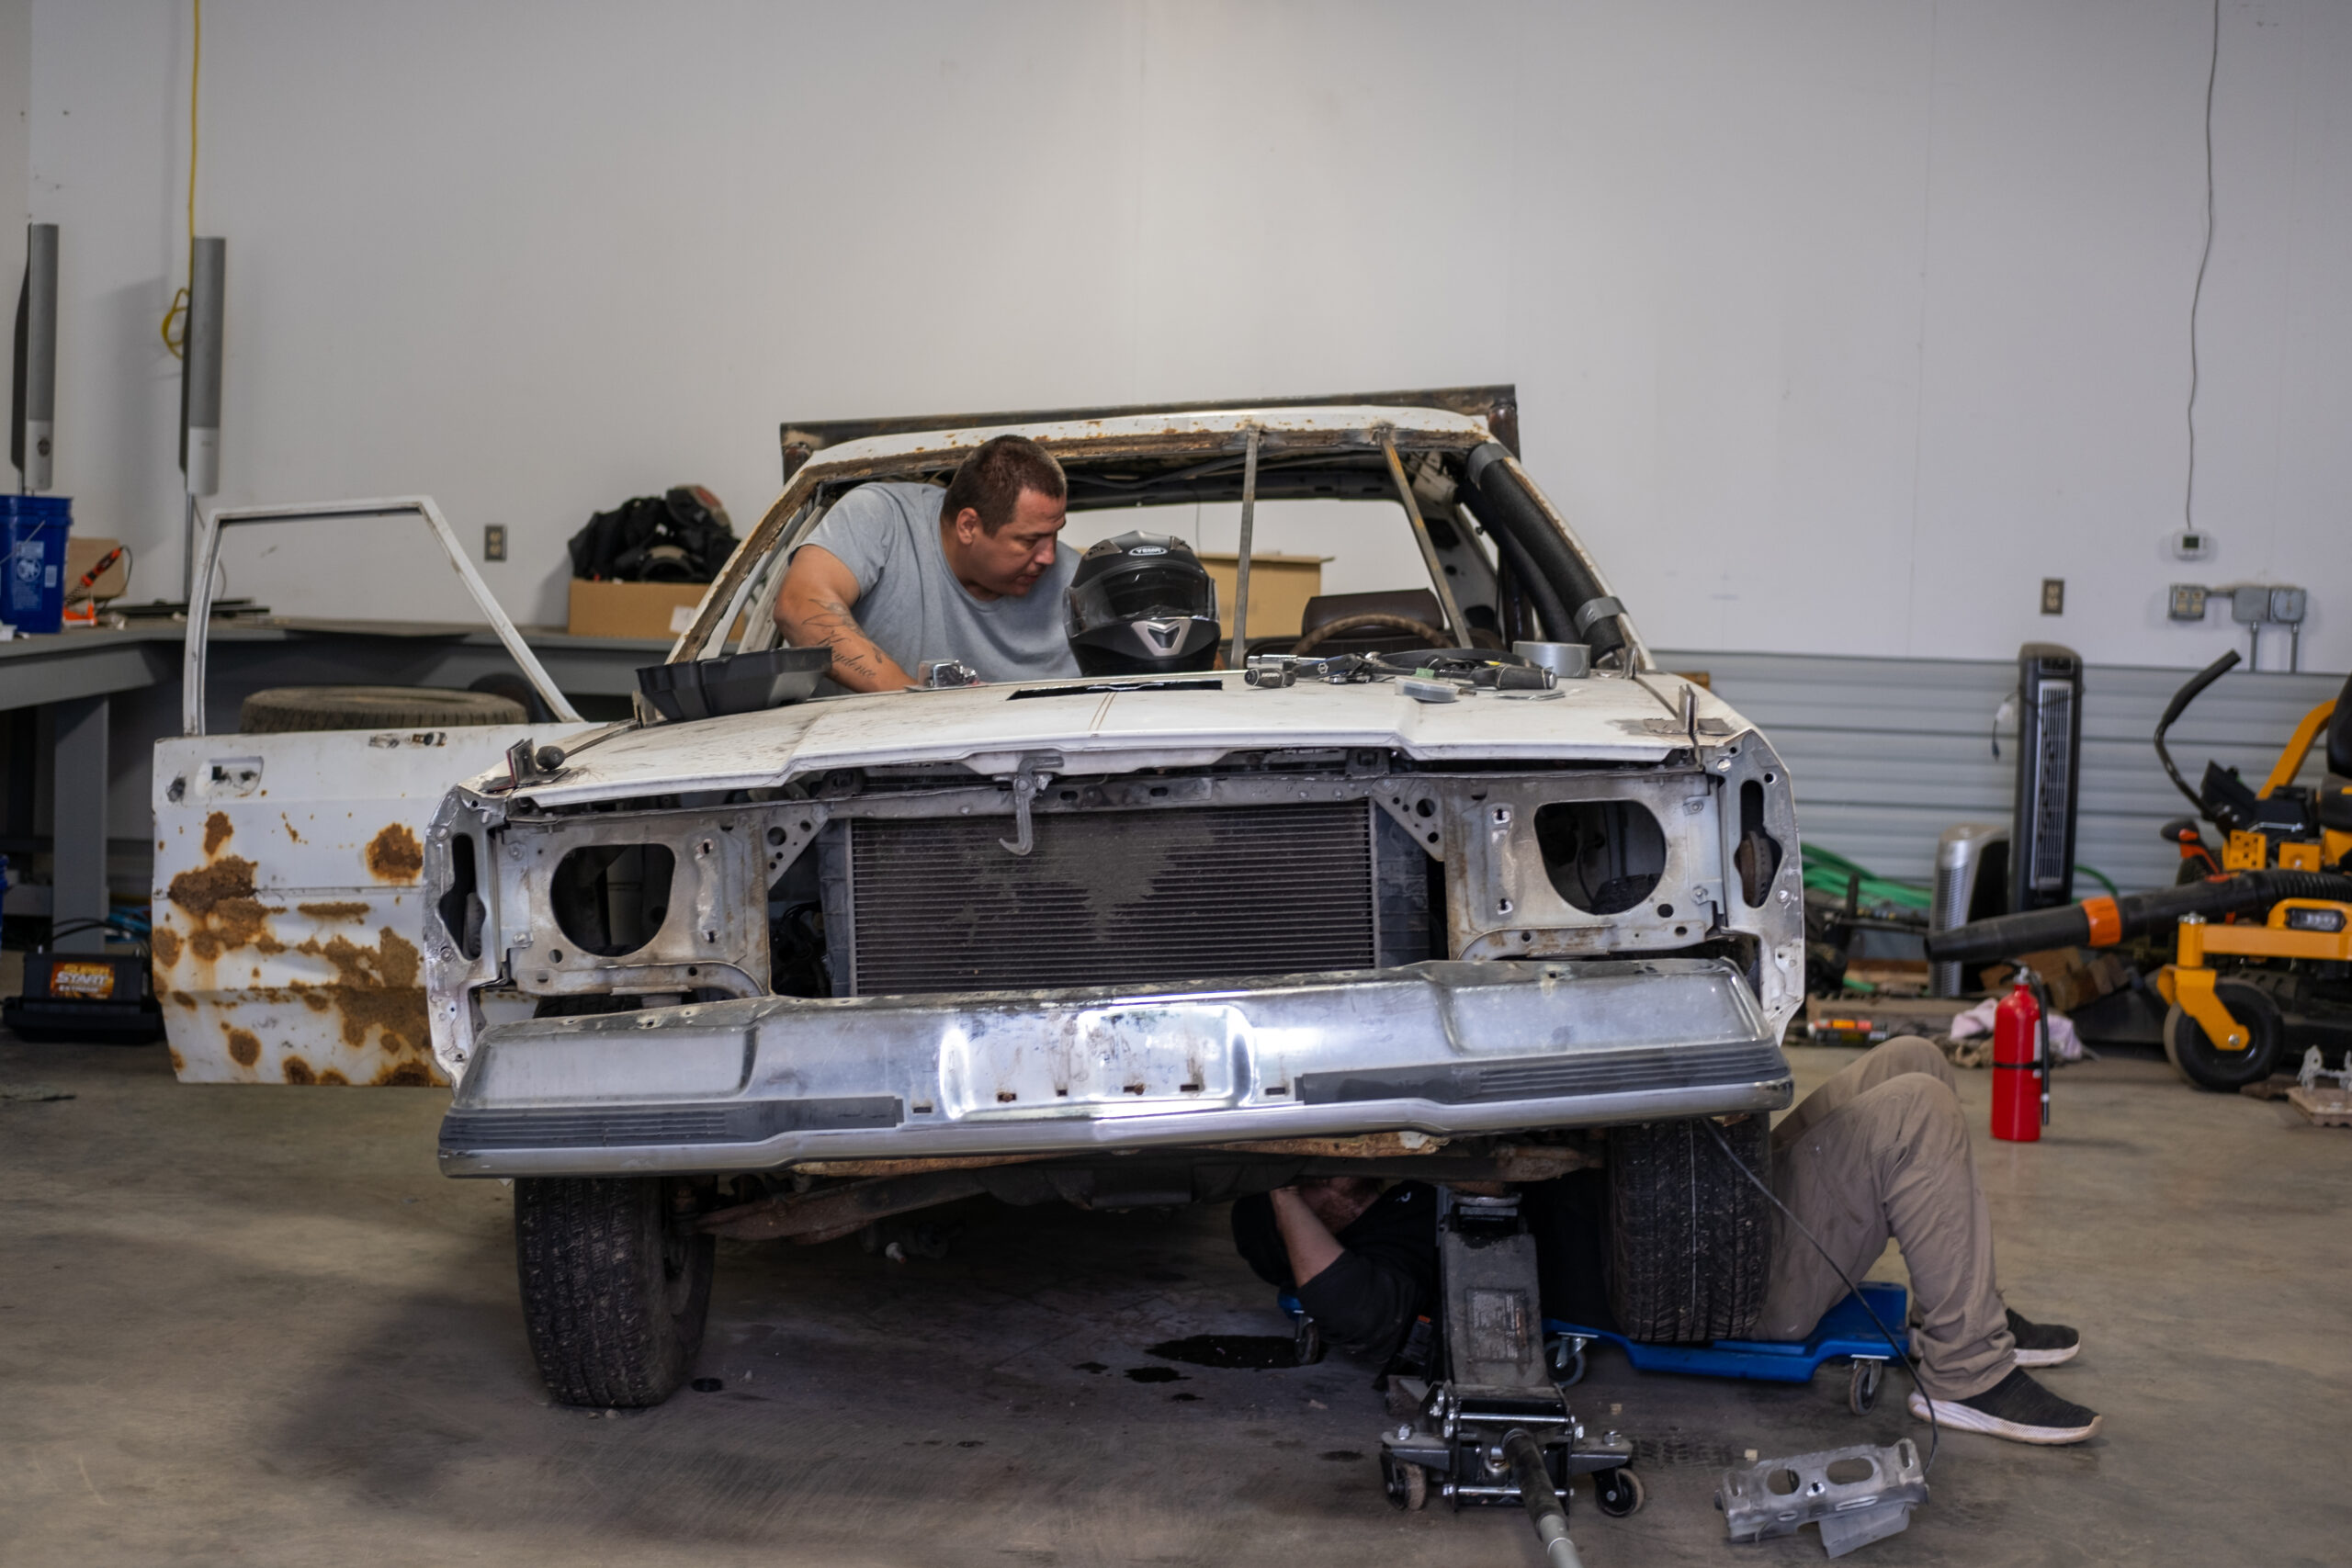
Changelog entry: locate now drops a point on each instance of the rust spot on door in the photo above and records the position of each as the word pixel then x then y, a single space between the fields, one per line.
pixel 245 1047
pixel 178 1066
pixel 332 1079
pixel 216 832
pixel 376 987
pixel 394 855
pixel 351 910
pixel 184 1000
pixel 289 827
pixel 298 1071
pixel 166 944
pixel 220 896
pixel 411 1073
pixel 201 890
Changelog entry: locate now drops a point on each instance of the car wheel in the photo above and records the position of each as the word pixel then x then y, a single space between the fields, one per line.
pixel 2206 1065
pixel 1690 1237
pixel 615 1285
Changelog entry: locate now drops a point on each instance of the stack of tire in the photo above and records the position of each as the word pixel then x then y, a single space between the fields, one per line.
pixel 285 710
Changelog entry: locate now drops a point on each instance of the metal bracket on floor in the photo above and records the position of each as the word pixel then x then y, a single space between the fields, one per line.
pixel 1780 1496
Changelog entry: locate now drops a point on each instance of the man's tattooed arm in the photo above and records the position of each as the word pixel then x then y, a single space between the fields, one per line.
pixel 813 610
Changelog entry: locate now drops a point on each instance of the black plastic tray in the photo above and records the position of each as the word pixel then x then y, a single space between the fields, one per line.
pixel 740 683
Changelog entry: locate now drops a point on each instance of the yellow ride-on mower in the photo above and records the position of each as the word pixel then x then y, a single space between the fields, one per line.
pixel 2264 961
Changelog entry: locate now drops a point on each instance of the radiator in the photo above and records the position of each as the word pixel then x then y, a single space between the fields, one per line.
pixel 1120 898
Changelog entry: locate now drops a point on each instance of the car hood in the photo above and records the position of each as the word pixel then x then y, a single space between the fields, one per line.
pixel 1110 727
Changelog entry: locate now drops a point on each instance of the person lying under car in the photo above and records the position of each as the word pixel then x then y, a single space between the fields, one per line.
pixel 1881 1151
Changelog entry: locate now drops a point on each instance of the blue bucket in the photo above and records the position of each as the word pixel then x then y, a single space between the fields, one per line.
pixel 32 573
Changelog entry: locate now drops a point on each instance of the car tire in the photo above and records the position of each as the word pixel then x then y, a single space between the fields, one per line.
pixel 615 1286
pixel 1690 1237
pixel 2195 1056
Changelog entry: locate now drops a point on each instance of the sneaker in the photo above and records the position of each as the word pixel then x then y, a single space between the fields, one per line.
pixel 2043 1344
pixel 2017 1409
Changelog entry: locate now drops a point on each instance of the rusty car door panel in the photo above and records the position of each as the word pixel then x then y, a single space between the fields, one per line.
pixel 288 905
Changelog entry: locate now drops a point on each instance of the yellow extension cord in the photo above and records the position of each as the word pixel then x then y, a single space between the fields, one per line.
pixel 178 315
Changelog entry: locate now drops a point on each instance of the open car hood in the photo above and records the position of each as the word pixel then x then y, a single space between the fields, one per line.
pixel 1110 727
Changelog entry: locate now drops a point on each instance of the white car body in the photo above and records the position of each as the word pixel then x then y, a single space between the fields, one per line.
pixel 1523 1010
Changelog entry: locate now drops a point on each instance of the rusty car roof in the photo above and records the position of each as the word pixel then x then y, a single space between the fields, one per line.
pixel 1342 427
pixel 1496 403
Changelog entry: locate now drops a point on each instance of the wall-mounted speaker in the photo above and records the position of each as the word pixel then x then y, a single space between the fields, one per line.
pixel 32 425
pixel 200 350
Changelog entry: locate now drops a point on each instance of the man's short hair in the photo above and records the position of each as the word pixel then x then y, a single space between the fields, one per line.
pixel 990 481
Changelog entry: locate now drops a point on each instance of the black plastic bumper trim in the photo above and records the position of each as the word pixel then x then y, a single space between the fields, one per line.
pixel 1551 1077
pixel 471 1131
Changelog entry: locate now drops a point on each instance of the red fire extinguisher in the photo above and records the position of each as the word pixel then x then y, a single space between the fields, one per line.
pixel 2020 1065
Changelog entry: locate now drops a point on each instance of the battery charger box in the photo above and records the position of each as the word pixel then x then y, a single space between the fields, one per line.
pixel 100 998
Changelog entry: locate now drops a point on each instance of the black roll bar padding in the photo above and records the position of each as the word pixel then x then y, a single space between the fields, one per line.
pixel 1541 597
pixel 2136 914
pixel 2178 705
pixel 1502 504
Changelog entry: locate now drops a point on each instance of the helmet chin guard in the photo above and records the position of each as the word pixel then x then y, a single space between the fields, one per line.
pixel 1142 604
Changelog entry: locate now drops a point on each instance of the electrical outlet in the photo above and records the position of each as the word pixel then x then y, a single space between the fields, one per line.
pixel 2187 603
pixel 493 541
pixel 2054 595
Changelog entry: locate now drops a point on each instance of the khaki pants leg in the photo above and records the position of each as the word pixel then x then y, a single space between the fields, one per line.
pixel 1882 1150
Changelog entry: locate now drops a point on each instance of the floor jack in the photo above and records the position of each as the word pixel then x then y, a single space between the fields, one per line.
pixel 1493 1426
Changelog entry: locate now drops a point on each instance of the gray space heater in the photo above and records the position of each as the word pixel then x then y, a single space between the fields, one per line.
pixel 2049 760
pixel 1972 883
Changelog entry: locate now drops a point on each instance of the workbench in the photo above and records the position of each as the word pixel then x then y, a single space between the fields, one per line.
pixel 78 675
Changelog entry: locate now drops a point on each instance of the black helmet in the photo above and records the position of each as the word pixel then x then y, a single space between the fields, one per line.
pixel 1142 604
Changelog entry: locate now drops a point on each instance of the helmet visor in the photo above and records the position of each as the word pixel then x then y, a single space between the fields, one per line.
pixel 1148 593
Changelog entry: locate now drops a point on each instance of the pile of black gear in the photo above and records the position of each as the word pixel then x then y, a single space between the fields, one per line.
pixel 682 536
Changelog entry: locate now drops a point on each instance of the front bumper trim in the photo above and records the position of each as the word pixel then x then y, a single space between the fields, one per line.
pixel 678 1126
pixel 1447 1049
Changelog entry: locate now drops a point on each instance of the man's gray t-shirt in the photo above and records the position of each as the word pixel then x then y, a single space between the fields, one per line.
pixel 910 603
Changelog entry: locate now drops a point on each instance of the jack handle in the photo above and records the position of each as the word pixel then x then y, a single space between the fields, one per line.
pixel 1545 1509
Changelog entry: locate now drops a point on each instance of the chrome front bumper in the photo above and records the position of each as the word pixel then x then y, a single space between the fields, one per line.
pixel 1442 1048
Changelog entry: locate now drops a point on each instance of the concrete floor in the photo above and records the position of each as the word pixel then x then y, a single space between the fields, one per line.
pixel 254 1326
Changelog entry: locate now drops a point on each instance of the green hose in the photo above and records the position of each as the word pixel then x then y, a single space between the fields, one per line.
pixel 2101 878
pixel 1827 872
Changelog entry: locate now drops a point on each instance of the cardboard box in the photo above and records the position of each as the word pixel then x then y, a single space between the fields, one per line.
pixel 652 611
pixel 81 554
pixel 2074 976
pixel 1280 587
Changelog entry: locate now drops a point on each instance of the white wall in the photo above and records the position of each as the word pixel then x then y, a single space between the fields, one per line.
pixel 1838 325
pixel 16 153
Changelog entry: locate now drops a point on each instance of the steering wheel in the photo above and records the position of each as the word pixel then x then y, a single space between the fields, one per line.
pixel 1431 636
